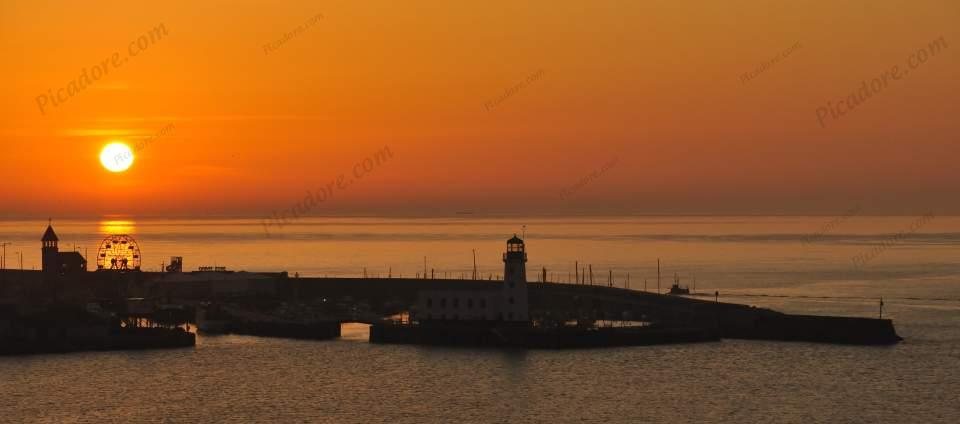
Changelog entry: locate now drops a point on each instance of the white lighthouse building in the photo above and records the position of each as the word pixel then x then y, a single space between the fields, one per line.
pixel 515 304
pixel 509 303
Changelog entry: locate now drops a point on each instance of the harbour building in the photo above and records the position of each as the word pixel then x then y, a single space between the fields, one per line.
pixel 509 303
pixel 57 262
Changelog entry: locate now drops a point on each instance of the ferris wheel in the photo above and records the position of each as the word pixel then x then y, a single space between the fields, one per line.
pixel 118 252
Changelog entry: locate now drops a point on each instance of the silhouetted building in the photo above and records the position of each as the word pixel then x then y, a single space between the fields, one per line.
pixel 50 251
pixel 57 262
pixel 507 304
pixel 176 264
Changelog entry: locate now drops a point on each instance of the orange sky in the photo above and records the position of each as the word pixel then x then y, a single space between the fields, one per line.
pixel 655 85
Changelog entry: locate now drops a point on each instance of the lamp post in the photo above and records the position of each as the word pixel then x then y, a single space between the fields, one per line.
pixel 3 262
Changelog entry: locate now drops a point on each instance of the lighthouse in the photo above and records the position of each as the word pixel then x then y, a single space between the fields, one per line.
pixel 504 304
pixel 515 307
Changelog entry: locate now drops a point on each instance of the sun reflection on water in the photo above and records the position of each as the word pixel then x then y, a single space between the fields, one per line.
pixel 114 227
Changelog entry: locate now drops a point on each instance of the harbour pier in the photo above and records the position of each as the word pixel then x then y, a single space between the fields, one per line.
pixel 146 309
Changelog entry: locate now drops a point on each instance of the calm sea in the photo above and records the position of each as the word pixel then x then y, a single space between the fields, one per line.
pixel 818 265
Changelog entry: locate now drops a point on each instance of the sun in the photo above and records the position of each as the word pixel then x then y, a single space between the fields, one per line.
pixel 116 157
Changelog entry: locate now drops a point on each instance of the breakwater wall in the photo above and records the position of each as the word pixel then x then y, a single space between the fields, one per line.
pixel 24 339
pixel 482 334
pixel 289 330
pixel 766 325
pixel 558 302
pixel 62 329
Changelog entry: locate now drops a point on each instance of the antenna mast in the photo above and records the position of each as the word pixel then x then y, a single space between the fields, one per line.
pixel 658 275
pixel 474 264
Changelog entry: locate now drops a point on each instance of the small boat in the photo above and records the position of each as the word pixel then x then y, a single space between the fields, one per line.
pixel 675 289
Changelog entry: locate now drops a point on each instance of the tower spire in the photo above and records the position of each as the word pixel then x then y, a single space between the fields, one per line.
pixel 50 256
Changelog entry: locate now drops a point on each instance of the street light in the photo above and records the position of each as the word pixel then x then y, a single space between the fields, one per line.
pixel 3 262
